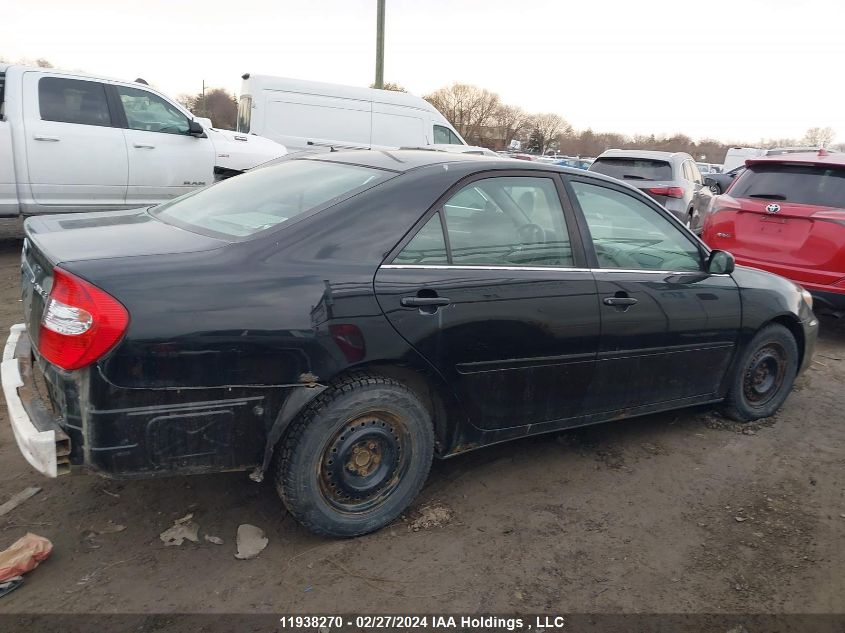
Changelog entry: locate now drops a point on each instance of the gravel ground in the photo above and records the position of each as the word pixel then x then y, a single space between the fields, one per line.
pixel 674 513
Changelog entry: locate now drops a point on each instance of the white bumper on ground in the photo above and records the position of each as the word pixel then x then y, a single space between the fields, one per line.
pixel 38 447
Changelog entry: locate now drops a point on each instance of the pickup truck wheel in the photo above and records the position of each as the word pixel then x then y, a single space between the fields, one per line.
pixel 764 375
pixel 356 457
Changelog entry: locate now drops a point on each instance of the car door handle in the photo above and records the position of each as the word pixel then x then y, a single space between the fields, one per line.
pixel 423 302
pixel 51 139
pixel 619 302
pixel 144 146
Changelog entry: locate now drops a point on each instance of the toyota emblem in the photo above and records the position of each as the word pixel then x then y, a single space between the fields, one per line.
pixel 772 208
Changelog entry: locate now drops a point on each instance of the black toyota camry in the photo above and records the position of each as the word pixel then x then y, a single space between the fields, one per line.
pixel 336 321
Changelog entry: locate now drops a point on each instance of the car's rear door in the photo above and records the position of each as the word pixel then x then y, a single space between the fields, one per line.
pixel 492 289
pixel 668 329
pixel 75 154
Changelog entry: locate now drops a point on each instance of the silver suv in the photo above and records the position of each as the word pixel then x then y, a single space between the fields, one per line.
pixel 671 178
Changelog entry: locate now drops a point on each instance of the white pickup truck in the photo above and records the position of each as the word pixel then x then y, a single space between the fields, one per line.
pixel 73 142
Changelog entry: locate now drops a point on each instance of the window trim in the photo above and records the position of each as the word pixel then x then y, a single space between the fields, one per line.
pixel 579 257
pixel 592 258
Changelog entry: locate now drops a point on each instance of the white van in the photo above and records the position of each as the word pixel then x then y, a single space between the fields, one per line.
pixel 304 114
pixel 76 142
pixel 736 156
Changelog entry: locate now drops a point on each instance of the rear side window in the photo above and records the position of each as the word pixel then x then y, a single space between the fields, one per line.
pixel 445 136
pixel 633 168
pixel 73 101
pixel 802 184
pixel 263 198
pixel 505 221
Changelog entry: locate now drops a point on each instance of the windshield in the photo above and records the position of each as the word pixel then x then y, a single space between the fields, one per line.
pixel 633 168
pixel 261 199
pixel 244 114
pixel 802 184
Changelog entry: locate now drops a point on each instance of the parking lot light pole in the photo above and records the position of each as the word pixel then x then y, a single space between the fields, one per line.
pixel 380 45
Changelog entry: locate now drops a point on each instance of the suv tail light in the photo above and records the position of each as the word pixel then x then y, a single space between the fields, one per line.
pixel 80 322
pixel 669 192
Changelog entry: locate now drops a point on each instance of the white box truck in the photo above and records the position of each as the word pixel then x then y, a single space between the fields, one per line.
pixel 75 142
pixel 307 114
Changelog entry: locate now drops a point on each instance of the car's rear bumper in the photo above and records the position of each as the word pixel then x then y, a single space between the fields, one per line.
pixel 63 420
pixel 41 440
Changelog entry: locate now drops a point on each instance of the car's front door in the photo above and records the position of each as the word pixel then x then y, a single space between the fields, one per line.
pixel 493 291
pixel 668 329
pixel 165 161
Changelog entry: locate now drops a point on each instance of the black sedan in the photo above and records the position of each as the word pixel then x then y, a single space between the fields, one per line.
pixel 719 183
pixel 338 320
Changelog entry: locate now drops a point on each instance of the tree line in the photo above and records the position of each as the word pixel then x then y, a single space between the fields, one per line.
pixel 483 119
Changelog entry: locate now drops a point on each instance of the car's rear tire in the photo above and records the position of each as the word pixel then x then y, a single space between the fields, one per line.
pixel 763 376
pixel 716 189
pixel 356 457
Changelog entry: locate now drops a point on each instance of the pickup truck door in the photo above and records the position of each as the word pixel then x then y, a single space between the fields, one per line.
pixel 165 161
pixel 75 154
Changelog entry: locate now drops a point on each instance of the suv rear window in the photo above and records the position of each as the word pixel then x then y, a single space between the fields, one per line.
pixel 265 197
pixel 802 184
pixel 633 168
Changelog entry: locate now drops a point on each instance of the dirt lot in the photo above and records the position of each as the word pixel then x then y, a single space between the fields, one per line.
pixel 676 513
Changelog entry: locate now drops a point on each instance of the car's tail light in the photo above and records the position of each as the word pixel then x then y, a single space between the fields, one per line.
pixel 669 192
pixel 80 322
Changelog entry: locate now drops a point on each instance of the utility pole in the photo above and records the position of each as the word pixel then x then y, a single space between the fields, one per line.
pixel 203 97
pixel 380 45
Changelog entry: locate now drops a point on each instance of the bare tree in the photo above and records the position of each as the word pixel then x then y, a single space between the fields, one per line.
pixel 546 128
pixel 217 104
pixel 466 107
pixel 819 136
pixel 511 120
pixel 391 85
pixel 43 63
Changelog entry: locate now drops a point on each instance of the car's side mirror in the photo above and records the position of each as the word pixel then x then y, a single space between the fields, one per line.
pixel 720 263
pixel 195 129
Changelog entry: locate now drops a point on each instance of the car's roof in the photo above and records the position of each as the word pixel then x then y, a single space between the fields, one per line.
pixel 403 160
pixel 821 157
pixel 642 153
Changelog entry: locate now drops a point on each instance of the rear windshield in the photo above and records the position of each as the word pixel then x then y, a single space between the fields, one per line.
pixel 633 168
pixel 802 184
pixel 261 199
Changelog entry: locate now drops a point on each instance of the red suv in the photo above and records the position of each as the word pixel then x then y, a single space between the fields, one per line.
pixel 786 214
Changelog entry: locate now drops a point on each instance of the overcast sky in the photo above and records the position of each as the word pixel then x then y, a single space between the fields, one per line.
pixel 735 70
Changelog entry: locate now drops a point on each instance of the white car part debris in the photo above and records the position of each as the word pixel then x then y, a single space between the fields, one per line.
pixel 183 529
pixel 251 541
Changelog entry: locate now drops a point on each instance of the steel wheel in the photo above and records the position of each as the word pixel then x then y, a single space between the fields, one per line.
pixel 764 375
pixel 364 462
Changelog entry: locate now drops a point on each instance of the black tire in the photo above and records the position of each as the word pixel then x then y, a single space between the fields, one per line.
pixel 356 457
pixel 716 189
pixel 763 376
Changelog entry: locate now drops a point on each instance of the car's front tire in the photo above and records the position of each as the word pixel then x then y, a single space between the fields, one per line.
pixel 763 376
pixel 356 457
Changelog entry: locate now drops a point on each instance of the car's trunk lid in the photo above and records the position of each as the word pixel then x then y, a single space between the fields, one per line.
pixel 51 240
